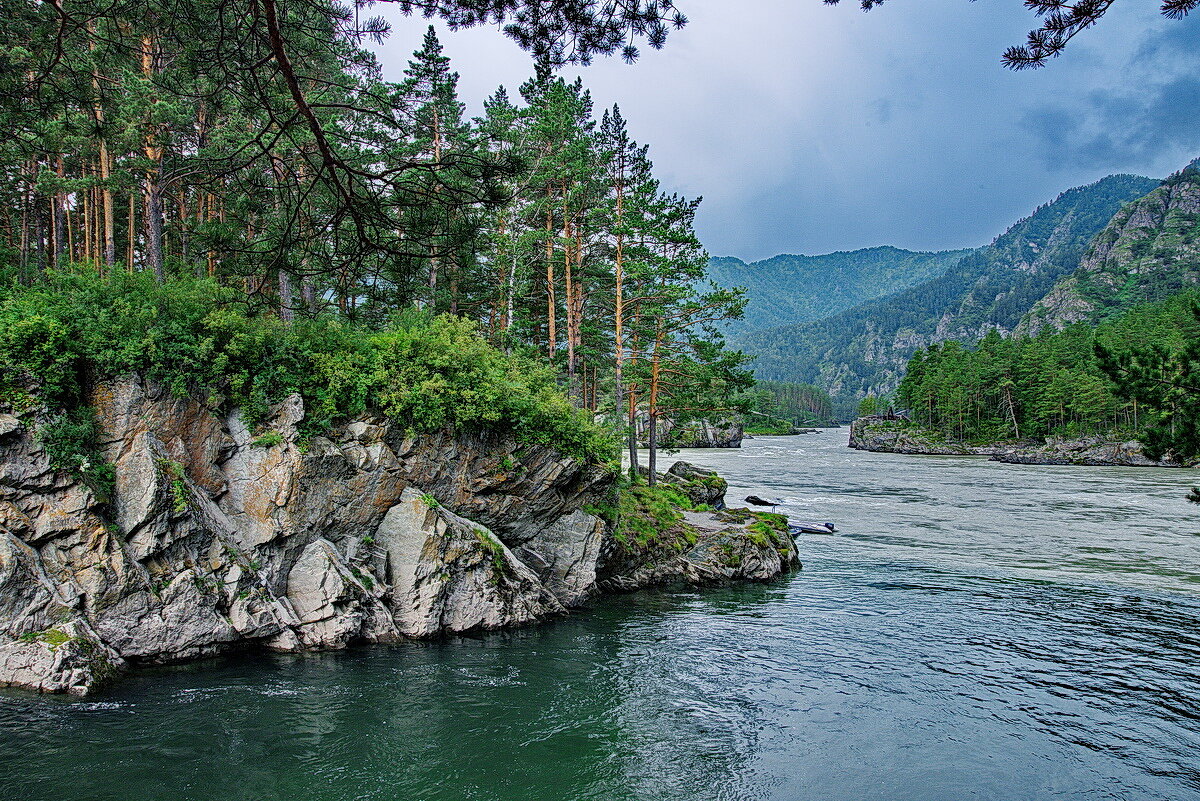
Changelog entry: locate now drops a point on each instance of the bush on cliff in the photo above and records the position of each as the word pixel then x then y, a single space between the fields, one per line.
pixel 427 373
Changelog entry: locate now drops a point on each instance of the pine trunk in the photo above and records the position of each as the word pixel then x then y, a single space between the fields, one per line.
pixel 551 329
pixel 632 440
pixel 154 227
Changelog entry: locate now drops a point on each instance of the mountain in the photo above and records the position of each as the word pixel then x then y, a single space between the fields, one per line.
pixel 865 349
pixel 1150 250
pixel 795 289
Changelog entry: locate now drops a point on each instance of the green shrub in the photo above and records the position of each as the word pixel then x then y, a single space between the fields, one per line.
pixel 268 440
pixel 495 550
pixel 69 439
pixel 193 335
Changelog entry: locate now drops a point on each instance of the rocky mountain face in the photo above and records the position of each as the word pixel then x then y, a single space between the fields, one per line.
pixel 215 538
pixel 1150 249
pixel 788 289
pixel 865 349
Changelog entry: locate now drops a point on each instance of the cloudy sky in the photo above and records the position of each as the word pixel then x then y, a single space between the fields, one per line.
pixel 809 128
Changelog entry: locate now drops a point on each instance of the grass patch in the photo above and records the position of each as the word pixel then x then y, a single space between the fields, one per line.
pixel 54 637
pixel 495 550
pixel 268 440
pixel 649 516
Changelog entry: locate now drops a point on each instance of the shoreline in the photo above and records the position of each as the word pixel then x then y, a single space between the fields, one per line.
pixel 881 435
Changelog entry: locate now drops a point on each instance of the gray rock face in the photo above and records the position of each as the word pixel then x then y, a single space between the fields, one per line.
pixel 696 434
pixel 68 658
pixel 565 555
pixel 222 534
pixel 449 574
pixel 894 436
pixel 1089 451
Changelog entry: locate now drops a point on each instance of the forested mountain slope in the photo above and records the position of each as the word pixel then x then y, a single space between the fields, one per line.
pixel 1049 385
pixel 1149 251
pixel 790 289
pixel 865 349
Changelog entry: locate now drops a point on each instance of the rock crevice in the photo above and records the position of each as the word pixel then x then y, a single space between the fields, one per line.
pixel 220 534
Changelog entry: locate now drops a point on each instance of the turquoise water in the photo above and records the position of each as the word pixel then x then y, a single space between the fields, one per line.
pixel 973 631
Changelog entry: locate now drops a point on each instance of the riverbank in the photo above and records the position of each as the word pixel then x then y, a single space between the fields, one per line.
pixel 881 435
pixel 214 536
pixel 974 630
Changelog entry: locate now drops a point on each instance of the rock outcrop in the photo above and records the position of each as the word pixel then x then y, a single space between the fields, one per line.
pixel 703 548
pixel 694 434
pixel 218 535
pixel 702 487
pixel 1087 451
pixel 898 436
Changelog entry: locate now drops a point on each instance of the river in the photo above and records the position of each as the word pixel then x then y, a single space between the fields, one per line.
pixel 974 630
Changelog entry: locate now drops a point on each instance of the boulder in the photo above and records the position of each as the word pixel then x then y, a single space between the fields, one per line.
pixel 703 487
pixel 449 574
pixel 703 548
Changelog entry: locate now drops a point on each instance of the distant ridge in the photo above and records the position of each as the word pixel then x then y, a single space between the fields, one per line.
pixel 792 288
pixel 865 349
pixel 1149 251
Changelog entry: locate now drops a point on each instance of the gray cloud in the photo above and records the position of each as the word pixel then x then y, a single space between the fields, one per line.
pixel 1152 115
pixel 808 128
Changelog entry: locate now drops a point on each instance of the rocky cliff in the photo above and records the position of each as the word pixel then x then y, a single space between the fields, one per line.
pixel 1150 249
pixel 882 435
pixel 219 537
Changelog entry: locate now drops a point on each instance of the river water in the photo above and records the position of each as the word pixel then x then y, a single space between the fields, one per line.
pixel 973 631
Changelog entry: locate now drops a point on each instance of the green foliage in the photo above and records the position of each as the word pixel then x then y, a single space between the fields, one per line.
pixel 321 215
pixel 438 374
pixel 428 373
pixel 69 438
pixel 364 579
pixel 870 405
pixel 782 402
pixel 496 551
pixel 430 501
pixel 865 349
pixel 268 439
pixel 1164 374
pixel 1056 384
pixel 179 495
